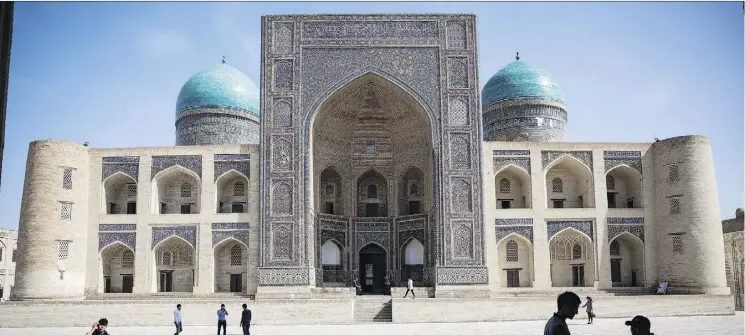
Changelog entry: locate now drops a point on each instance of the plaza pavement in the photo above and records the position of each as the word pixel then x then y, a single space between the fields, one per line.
pixel 720 325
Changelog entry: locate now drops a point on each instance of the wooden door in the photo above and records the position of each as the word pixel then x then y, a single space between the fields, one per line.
pixel 128 282
pixel 513 278
pixel 615 270
pixel 236 282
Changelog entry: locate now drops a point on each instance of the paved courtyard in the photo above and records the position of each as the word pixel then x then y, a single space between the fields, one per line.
pixel 720 325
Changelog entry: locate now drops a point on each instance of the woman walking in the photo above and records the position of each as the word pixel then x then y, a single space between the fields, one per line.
pixel 590 314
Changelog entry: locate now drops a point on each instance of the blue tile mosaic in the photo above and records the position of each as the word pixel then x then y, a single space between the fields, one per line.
pixel 232 157
pixel 117 227
pixel 622 153
pixel 547 157
pixel 222 235
pixel 129 165
pixel 188 233
pixel 639 220
pixel 500 162
pixel 242 166
pixel 191 162
pixel 617 229
pixel 520 80
pixel 503 231
pixel 231 225
pixel 613 162
pixel 511 152
pixel 219 86
pixel 513 222
pixel 555 227
pixel 106 239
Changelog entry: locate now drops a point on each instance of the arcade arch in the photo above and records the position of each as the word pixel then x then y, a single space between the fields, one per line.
pixel 515 261
pixel 232 193
pixel 572 259
pixel 624 187
pixel 512 187
pixel 627 260
pixel 119 194
pixel 569 184
pixel 173 266
pixel 117 269
pixel 231 266
pixel 176 190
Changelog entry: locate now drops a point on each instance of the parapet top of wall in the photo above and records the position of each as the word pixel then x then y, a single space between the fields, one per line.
pixel 565 146
pixel 179 150
pixel 682 140
pixel 525 101
pixel 378 16
pixel 42 143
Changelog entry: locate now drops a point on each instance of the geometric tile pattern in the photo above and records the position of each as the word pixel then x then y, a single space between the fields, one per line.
pixel 129 165
pixel 547 157
pixel 116 227
pixel 522 227
pixel 105 239
pixel 188 233
pixel 222 235
pixel 231 226
pixel 190 162
pixel 462 275
pixel 634 163
pixel 500 162
pixel 633 225
pixel 237 162
pixel 555 227
pixel 511 152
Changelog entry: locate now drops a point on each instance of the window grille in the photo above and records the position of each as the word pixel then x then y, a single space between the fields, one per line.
pixel 236 257
pixel 128 259
pixel 504 185
pixel 677 244
pixel 512 255
pixel 67 179
pixel 186 190
pixel 239 189
pixel 615 249
pixel 66 211
pixel 672 173
pixel 675 205
pixel 577 251
pixel 557 185
pixel 166 260
pixel 372 192
pixel 610 183
pixel 131 190
pixel 63 250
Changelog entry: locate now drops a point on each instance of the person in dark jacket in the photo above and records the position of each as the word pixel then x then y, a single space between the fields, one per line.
pixel 568 306
pixel 639 325
pixel 246 320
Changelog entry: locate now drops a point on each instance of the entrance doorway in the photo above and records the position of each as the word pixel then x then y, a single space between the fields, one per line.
pixel 513 278
pixel 128 282
pixel 615 270
pixel 578 275
pixel 236 281
pixel 372 268
pixel 107 284
pixel 166 281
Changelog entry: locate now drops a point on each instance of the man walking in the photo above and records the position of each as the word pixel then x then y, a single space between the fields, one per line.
pixel 246 320
pixel 177 319
pixel 568 306
pixel 221 321
pixel 410 287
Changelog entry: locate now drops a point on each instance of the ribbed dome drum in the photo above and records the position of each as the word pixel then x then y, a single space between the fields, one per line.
pixel 219 105
pixel 523 103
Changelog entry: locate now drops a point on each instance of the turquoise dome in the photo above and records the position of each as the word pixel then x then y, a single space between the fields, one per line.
pixel 520 80
pixel 219 86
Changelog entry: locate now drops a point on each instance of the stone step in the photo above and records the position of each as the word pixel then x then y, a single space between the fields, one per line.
pixel 373 309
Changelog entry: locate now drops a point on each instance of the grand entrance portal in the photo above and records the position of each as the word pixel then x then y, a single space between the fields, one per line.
pixel 372 268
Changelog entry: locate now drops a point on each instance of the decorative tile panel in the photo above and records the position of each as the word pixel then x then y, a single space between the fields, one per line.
pixel 622 154
pixel 458 111
pixel 282 152
pixel 458 72
pixel 232 225
pixel 462 275
pixel 366 237
pixel 129 165
pixel 637 220
pixel 221 235
pixel 511 152
pixel 522 227
pixel 547 157
pixel 283 38
pixel 634 163
pixel 617 229
pixel 282 241
pixel 461 196
pixel 106 239
pixel 191 162
pixel 238 162
pixel 282 194
pixel 456 35
pixel 462 235
pixel 555 227
pixel 282 116
pixel 369 29
pixel 116 227
pixel 460 151
pixel 188 233
pixel 501 162
pixel 283 276
pixel 283 76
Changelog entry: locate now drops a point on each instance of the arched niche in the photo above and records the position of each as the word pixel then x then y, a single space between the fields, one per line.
pixel 119 194
pixel 173 266
pixel 627 260
pixel 176 190
pixel 575 179
pixel 372 195
pixel 412 192
pixel 512 187
pixel 369 121
pixel 515 261
pixel 331 199
pixel 117 269
pixel 624 187
pixel 572 259
pixel 332 262
pixel 232 193
pixel 231 266
pixel 412 261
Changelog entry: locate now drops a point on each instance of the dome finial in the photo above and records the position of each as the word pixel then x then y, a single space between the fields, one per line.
pixel 517 56
pixel 223 59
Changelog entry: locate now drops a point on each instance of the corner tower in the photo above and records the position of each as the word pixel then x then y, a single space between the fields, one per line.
pixel 219 105
pixel 521 103
pixel 53 227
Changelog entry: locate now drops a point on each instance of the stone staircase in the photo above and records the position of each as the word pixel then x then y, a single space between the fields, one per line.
pixel 369 309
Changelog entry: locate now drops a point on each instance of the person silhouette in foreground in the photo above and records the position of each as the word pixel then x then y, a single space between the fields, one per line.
pixel 568 306
pixel 590 314
pixel 246 320
pixel 639 325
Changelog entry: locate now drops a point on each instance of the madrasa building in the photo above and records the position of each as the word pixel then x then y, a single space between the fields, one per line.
pixel 368 150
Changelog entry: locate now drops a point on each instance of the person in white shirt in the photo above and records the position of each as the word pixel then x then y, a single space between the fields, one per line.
pixel 410 287
pixel 177 319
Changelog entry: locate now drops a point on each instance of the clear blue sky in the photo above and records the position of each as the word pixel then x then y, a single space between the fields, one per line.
pixel 630 71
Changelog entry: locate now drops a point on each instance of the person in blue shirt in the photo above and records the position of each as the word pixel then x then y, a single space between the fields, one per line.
pixel 221 321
